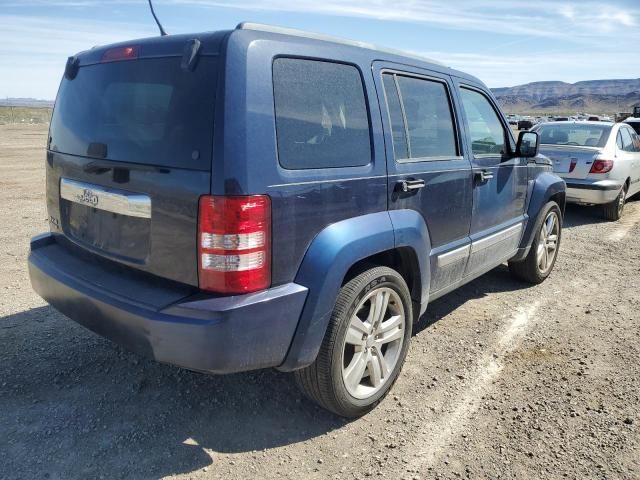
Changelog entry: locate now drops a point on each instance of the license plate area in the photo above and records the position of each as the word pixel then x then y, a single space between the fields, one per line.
pixel 561 164
pixel 112 222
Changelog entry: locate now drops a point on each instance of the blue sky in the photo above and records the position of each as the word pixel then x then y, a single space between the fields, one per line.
pixel 504 42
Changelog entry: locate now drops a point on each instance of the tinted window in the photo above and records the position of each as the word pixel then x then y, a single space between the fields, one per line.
pixel 484 126
pixel 583 135
pixel 428 118
pixel 635 126
pixel 321 115
pixel 144 111
pixel 400 148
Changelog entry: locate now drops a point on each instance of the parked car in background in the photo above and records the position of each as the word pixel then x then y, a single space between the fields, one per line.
pixel 599 161
pixel 525 124
pixel 634 123
pixel 634 120
pixel 561 119
pixel 264 197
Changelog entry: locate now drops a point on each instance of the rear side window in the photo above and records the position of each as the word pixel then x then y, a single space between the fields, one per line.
pixel 398 130
pixel 421 119
pixel 147 111
pixel 321 115
pixel 627 140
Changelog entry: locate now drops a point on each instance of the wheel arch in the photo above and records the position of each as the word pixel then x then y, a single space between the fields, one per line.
pixel 398 239
pixel 544 188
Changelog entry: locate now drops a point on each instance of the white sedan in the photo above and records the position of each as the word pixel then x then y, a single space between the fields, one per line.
pixel 599 161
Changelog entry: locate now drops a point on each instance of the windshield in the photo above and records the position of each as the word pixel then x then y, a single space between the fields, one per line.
pixel 146 111
pixel 574 134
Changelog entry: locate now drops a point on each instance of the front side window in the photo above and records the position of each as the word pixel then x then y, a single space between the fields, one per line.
pixel 483 124
pixel 426 131
pixel 321 115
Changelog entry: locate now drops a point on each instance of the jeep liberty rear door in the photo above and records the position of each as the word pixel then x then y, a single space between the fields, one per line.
pixel 425 161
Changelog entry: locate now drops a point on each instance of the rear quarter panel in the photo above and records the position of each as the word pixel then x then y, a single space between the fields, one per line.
pixel 246 162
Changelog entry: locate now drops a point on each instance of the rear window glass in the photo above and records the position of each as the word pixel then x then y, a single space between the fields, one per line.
pixel 321 115
pixel 147 111
pixel 574 134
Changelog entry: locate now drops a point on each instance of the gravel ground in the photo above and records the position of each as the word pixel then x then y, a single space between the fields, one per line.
pixel 502 380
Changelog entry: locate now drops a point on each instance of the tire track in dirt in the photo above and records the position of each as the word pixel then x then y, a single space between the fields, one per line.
pixel 438 435
pixel 625 224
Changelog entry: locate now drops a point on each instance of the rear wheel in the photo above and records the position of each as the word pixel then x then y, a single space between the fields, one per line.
pixel 539 262
pixel 613 211
pixel 365 345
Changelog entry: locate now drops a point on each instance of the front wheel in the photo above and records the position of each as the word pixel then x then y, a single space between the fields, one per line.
pixel 365 345
pixel 540 260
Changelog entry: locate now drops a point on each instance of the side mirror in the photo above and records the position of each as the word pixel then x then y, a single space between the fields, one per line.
pixel 528 144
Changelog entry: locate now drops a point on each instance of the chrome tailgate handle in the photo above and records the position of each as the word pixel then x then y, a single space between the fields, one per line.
pixel 94 196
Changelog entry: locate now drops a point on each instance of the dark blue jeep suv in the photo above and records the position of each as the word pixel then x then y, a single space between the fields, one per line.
pixel 264 197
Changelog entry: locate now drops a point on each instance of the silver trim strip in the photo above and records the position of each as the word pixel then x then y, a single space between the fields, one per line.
pixel 495 238
pixel 328 38
pixel 132 205
pixel 453 256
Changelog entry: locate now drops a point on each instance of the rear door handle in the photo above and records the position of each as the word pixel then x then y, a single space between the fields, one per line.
pixel 408 185
pixel 484 175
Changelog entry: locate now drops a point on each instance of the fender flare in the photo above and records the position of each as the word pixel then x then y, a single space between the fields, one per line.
pixel 330 256
pixel 542 188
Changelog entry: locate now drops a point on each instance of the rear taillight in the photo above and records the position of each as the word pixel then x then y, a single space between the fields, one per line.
pixel 120 53
pixel 234 243
pixel 572 165
pixel 601 166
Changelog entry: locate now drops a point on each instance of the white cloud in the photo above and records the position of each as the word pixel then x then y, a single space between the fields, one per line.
pixel 543 18
pixel 33 49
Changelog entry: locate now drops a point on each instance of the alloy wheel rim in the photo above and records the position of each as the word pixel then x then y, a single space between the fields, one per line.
pixel 621 199
pixel 548 243
pixel 373 342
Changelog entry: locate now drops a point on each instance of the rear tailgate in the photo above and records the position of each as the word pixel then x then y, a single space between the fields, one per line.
pixel 130 153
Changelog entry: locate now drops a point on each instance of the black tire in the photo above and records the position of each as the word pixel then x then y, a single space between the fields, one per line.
pixel 528 269
pixel 613 211
pixel 322 381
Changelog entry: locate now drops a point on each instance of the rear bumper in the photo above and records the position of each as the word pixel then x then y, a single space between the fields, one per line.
pixel 198 332
pixel 592 192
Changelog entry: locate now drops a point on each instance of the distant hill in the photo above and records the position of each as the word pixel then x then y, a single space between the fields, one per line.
pixel 25 102
pixel 593 96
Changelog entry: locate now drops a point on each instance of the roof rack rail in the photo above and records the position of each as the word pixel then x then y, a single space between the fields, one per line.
pixel 328 38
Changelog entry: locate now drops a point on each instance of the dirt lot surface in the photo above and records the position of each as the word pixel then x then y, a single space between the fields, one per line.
pixel 502 380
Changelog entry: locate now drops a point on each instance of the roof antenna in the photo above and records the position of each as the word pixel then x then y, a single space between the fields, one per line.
pixel 162 32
